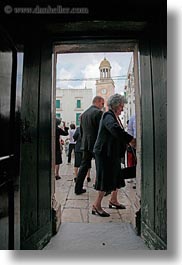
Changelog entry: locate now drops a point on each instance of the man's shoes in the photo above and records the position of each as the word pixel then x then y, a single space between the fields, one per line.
pixel 57 177
pixel 80 192
pixel 88 179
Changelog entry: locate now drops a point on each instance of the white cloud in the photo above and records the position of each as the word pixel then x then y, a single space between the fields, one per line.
pixel 91 71
pixel 86 66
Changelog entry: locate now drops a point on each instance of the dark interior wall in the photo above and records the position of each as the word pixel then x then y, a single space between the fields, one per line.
pixel 130 14
pixel 154 136
pixel 159 74
pixel 9 165
pixel 36 145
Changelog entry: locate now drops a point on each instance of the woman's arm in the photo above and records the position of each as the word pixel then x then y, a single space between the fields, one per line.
pixel 112 125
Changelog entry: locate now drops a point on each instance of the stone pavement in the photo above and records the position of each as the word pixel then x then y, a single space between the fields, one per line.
pixel 95 238
pixel 77 208
pixel 83 234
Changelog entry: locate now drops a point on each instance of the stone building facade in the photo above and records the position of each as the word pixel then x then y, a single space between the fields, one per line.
pixel 70 103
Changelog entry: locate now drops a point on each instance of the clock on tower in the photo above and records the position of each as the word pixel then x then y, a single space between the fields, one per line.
pixel 103 91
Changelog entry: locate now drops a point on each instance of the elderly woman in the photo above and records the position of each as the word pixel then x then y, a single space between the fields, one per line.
pixel 109 148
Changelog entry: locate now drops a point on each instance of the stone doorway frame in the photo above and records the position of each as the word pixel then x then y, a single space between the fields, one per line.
pixel 87 46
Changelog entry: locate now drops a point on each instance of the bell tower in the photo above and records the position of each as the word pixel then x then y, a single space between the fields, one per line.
pixel 105 85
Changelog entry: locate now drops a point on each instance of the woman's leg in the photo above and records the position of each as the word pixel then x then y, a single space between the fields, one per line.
pixel 56 170
pixel 88 175
pixel 98 201
pixel 114 197
pixel 76 172
pixel 97 208
pixel 114 201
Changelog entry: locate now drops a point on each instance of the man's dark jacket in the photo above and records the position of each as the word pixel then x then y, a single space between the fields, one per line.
pixel 89 125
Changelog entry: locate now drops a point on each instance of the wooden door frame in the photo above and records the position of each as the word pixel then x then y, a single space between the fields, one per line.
pixel 86 46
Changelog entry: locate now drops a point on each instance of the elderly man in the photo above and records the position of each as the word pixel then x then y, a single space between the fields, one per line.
pixel 89 124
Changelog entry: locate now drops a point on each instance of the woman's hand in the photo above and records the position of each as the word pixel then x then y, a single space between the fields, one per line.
pixel 133 143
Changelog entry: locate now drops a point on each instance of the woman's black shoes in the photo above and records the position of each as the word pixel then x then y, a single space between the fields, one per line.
pixel 116 206
pixel 102 213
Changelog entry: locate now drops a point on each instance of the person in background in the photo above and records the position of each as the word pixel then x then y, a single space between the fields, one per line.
pixel 66 146
pixel 71 142
pixel 131 149
pixel 89 124
pixel 109 148
pixel 58 156
pixel 131 161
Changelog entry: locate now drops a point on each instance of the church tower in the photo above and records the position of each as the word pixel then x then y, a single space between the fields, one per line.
pixel 105 85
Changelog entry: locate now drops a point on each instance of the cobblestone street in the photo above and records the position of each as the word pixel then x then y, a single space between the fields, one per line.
pixel 81 232
pixel 77 208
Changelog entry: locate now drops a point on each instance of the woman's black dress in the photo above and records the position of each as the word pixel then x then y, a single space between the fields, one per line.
pixel 59 132
pixel 109 148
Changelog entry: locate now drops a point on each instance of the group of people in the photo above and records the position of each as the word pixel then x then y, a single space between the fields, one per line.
pixel 102 137
pixel 72 144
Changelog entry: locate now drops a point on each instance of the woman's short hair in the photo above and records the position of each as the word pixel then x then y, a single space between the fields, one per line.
pixel 115 100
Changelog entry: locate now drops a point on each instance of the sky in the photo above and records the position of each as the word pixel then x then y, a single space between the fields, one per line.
pixel 86 66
